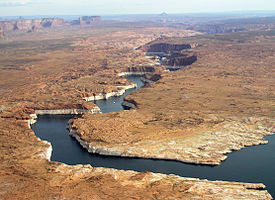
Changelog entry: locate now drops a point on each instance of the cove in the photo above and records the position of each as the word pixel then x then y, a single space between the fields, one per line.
pixel 253 164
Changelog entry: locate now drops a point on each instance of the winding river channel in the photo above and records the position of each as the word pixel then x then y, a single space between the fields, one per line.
pixel 253 164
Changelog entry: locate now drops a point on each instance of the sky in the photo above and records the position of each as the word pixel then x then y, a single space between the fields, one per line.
pixel 105 7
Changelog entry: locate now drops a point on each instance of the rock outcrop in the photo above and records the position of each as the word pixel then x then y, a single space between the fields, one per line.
pixel 30 24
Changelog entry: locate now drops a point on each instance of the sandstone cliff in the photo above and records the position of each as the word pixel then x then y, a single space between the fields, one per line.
pixel 164 47
pixel 30 24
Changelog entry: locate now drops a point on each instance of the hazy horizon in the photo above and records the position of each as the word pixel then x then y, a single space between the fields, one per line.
pixel 126 7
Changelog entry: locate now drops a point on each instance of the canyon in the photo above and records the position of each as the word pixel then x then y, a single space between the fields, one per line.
pixel 176 122
pixel 199 113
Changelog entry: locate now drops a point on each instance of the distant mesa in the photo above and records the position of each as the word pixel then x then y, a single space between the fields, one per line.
pixel 30 24
pixel 86 20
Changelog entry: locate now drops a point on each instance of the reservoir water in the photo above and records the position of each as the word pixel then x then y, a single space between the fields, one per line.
pixel 114 104
pixel 253 164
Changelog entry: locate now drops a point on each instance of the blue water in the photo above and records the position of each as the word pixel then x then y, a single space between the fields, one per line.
pixel 114 104
pixel 253 164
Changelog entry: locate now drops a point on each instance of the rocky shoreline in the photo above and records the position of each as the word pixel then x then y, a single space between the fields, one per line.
pixel 191 188
pixel 67 111
pixel 217 189
pixel 132 73
pixel 102 96
pixel 47 154
pixel 202 151
pixel 128 183
pixel 33 116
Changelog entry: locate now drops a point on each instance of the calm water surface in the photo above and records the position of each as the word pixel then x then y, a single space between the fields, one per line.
pixel 254 164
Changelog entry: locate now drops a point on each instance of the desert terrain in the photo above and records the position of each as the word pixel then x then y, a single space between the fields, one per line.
pixel 222 101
